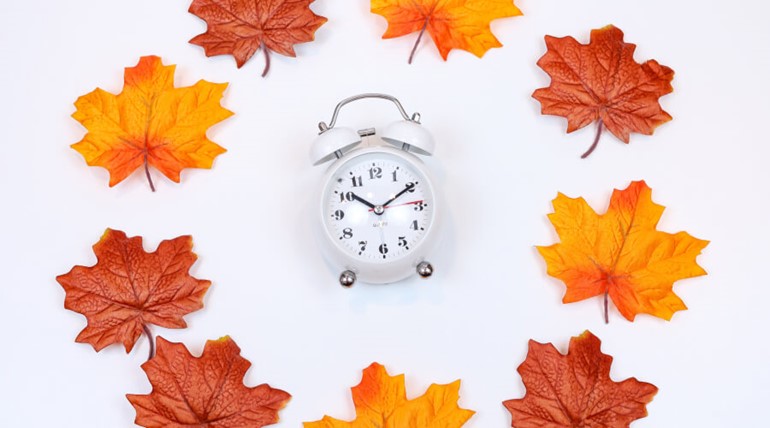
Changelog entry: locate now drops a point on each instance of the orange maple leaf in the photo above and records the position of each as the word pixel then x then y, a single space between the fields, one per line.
pixel 380 401
pixel 621 254
pixel 575 390
pixel 601 82
pixel 241 27
pixel 452 24
pixel 204 392
pixel 150 123
pixel 128 289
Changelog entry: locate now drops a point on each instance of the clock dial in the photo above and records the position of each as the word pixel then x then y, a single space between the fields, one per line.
pixel 378 207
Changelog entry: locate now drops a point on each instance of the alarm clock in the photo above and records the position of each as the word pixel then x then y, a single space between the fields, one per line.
pixel 378 209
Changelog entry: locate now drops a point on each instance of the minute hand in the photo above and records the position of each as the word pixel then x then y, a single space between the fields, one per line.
pixel 409 186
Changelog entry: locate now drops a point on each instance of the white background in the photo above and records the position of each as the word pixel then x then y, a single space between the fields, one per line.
pixel 499 162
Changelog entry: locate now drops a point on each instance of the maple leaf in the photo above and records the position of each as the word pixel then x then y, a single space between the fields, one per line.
pixel 128 289
pixel 204 392
pixel 150 123
pixel 601 82
pixel 380 401
pixel 452 24
pixel 575 390
pixel 621 254
pixel 241 27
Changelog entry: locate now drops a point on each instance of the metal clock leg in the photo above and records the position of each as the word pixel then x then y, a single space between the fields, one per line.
pixel 347 279
pixel 425 269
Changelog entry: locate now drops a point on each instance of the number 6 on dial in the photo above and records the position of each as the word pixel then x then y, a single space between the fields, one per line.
pixel 378 207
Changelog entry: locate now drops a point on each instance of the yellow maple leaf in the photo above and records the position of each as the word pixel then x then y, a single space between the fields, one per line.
pixel 150 123
pixel 380 402
pixel 620 254
pixel 452 24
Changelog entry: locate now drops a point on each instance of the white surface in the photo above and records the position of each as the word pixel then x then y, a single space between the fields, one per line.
pixel 500 163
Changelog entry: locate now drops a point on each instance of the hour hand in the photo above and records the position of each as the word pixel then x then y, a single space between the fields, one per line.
pixel 362 200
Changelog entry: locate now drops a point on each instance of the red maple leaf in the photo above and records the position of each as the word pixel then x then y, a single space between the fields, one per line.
pixel 128 289
pixel 575 390
pixel 204 392
pixel 241 27
pixel 601 82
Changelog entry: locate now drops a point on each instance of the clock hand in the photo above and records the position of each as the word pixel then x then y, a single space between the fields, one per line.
pixel 399 205
pixel 409 186
pixel 363 201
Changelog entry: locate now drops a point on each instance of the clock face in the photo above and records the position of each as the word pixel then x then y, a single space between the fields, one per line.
pixel 378 207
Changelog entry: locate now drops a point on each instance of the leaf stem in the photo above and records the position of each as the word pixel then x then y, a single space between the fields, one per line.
pixel 606 308
pixel 147 171
pixel 151 339
pixel 266 52
pixel 599 129
pixel 417 43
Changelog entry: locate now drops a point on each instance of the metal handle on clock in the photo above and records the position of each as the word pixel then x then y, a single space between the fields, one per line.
pixel 323 127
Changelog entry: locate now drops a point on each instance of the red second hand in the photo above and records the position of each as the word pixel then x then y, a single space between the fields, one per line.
pixel 391 206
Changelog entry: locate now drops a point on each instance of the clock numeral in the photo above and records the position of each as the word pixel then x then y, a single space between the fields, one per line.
pixel 410 185
pixel 363 246
pixel 346 197
pixel 414 225
pixel 383 249
pixel 347 233
pixel 419 206
pixel 375 172
pixel 338 215
pixel 395 177
pixel 402 241
pixel 357 182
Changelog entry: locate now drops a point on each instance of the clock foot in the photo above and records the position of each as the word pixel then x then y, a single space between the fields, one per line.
pixel 425 269
pixel 347 279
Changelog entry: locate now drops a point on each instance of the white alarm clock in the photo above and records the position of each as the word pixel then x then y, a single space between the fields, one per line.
pixel 378 212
